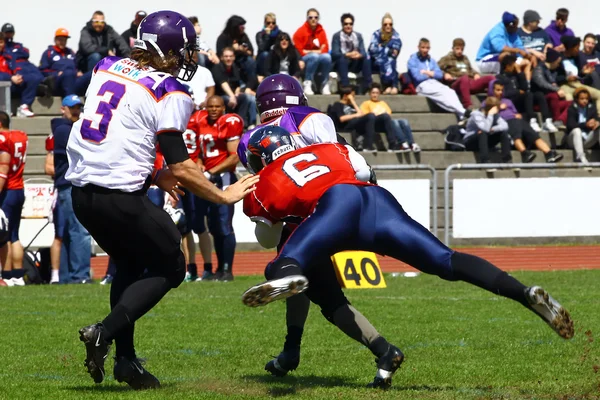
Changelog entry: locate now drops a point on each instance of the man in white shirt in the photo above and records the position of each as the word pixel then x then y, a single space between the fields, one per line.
pixel 201 87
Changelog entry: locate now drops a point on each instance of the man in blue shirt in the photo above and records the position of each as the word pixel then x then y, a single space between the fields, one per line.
pixel 535 39
pixel 77 246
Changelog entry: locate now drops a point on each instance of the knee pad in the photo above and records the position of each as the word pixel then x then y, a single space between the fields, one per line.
pixel 282 267
pixel 176 274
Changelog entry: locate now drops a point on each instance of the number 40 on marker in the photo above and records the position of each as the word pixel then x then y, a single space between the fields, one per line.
pixel 358 270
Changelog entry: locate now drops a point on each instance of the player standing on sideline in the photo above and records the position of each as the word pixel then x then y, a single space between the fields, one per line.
pixel 132 103
pixel 218 137
pixel 13 151
pixel 58 219
pixel 294 180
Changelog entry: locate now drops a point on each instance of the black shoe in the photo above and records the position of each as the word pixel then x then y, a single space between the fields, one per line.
pixel 218 275
pixel 285 362
pixel 553 157
pixel 395 148
pixel 134 374
pixel 97 349
pixel 527 156
pixel 386 366
pixel 226 277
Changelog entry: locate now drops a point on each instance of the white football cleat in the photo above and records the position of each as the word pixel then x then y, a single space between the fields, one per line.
pixel 18 281
pixel 277 289
pixel 550 311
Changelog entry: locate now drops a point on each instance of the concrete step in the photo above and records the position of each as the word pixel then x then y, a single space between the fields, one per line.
pixel 36 146
pixel 47 106
pixel 39 125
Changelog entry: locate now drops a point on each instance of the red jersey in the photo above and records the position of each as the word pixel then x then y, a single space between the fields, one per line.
pixel 213 138
pixel 190 136
pixel 50 143
pixel 290 187
pixel 15 144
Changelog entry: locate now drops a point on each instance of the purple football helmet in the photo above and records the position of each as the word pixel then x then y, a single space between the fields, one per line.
pixel 277 93
pixel 167 32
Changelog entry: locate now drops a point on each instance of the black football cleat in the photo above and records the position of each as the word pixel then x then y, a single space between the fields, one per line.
pixel 286 361
pixel 386 366
pixel 134 374
pixel 96 348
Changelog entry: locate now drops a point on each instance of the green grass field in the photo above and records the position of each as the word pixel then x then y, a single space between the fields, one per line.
pixel 460 342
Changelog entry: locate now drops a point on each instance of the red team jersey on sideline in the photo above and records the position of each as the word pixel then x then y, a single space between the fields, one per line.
pixel 190 136
pixel 213 139
pixel 15 144
pixel 50 143
pixel 290 187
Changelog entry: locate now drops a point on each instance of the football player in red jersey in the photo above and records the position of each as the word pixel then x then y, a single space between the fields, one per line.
pixel 13 150
pixel 293 181
pixel 57 217
pixel 218 137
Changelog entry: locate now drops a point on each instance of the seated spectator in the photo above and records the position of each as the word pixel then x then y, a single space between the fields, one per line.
pixel 201 87
pixel 589 58
pixel 523 136
pixel 25 76
pixel 227 85
pixel 349 55
pixel 206 56
pixel 311 42
pixel 131 34
pixel 234 36
pixel 583 124
pixel 98 40
pixel 58 62
pixel 461 76
pixel 545 79
pixel 516 90
pixel 284 58
pixel 348 117
pixel 384 49
pixel 558 28
pixel 535 39
pixel 382 112
pixel 426 75
pixel 571 69
pixel 485 129
pixel 265 40
pixel 501 41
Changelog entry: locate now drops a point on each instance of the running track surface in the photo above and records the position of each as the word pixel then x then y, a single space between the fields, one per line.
pixel 507 258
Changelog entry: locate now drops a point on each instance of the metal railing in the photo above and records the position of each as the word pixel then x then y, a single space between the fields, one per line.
pixel 5 97
pixel 546 166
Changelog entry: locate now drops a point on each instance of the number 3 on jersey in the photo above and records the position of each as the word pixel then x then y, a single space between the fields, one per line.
pixel 302 176
pixel 105 108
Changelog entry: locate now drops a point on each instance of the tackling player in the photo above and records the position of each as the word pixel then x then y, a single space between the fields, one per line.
pixel 13 151
pixel 294 180
pixel 131 104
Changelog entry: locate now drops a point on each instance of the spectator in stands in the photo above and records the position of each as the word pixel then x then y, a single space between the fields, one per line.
pixel 312 44
pixel 98 40
pixel 383 112
pixel 426 75
pixel 535 39
pixel 76 253
pixel 558 28
pixel 583 124
pixel 461 76
pixel 265 40
pixel 26 77
pixel 572 71
pixel 201 87
pixel 348 117
pixel 545 79
pixel 227 84
pixel 131 34
pixel 234 36
pixel 501 41
pixel 485 129
pixel 384 49
pixel 58 219
pixel 284 58
pixel 206 56
pixel 349 55
pixel 523 136
pixel 58 63
pixel 589 56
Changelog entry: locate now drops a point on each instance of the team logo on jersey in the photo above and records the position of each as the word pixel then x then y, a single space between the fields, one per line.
pixel 2 138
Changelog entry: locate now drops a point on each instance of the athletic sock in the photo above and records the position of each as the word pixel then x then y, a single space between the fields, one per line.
pixel 293 338
pixel 18 273
pixel 208 267
pixel 192 269
pixel 379 346
pixel 6 275
pixel 55 276
pixel 355 325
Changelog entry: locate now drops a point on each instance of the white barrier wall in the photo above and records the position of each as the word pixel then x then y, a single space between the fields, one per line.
pixel 533 207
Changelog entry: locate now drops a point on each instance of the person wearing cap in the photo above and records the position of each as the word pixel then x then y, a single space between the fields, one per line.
pixel 558 28
pixel 29 76
pixel 547 79
pixel 535 39
pixel 75 259
pixel 99 40
pixel 501 41
pixel 130 34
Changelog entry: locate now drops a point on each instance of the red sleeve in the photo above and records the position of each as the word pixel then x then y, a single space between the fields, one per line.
pixel 50 143
pixel 232 127
pixel 4 145
pixel 323 39
pixel 299 40
pixel 255 210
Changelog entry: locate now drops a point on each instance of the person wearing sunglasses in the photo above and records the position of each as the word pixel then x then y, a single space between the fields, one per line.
pixel 312 44
pixel 284 58
pixel 384 50
pixel 98 40
pixel 348 53
pixel 265 40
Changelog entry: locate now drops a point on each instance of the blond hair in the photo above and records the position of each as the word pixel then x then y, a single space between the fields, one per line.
pixel 146 58
pixel 386 16
pixel 270 15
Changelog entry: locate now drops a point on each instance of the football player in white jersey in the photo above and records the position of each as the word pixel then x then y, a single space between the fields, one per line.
pixel 131 104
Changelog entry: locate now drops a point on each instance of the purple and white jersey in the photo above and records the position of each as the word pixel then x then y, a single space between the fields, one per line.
pixel 113 145
pixel 306 124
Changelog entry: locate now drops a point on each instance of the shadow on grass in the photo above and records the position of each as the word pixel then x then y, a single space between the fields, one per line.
pixel 290 384
pixel 110 388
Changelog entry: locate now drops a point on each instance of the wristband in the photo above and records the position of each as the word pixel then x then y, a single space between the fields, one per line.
pixel 3 176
